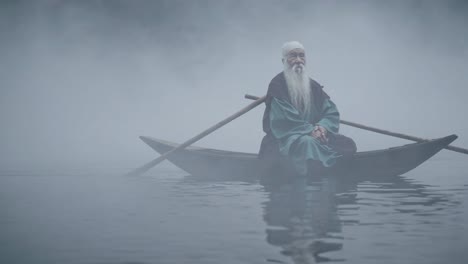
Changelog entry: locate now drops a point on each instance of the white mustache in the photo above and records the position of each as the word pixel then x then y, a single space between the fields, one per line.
pixel 298 66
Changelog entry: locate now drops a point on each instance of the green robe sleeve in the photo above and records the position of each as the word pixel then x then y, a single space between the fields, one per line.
pixel 330 117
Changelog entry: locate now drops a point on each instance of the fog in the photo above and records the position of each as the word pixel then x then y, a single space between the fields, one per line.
pixel 81 80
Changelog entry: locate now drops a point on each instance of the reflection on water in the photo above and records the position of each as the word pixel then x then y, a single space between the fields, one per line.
pixel 88 217
pixel 302 219
pixel 305 219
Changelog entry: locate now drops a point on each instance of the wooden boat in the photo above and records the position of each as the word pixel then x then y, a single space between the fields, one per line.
pixel 222 164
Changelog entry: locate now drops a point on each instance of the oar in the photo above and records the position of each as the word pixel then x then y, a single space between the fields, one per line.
pixel 385 132
pixel 189 142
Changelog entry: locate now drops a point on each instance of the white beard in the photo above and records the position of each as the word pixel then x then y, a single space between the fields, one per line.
pixel 298 87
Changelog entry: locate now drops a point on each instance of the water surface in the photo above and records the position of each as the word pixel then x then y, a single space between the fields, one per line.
pixel 100 216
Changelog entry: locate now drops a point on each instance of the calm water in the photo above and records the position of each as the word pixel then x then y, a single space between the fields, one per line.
pixel 91 216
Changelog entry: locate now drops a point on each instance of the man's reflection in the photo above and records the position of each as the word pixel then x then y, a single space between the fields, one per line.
pixel 302 218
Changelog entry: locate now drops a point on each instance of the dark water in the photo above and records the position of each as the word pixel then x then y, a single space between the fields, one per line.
pixel 96 216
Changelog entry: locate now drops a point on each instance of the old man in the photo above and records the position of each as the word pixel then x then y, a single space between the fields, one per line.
pixel 300 121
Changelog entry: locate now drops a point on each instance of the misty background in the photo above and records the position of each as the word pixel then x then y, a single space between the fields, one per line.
pixel 81 80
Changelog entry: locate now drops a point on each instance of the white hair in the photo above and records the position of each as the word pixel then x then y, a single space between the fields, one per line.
pixel 291 45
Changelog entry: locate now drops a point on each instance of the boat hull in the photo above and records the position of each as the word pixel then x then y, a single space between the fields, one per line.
pixel 213 163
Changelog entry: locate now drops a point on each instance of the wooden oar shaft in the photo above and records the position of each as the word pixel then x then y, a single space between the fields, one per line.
pixel 381 131
pixel 385 132
pixel 189 142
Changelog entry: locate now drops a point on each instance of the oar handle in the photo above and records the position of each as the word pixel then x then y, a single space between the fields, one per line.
pixel 381 131
pixel 251 97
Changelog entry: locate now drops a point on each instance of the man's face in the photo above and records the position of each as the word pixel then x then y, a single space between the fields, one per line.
pixel 296 57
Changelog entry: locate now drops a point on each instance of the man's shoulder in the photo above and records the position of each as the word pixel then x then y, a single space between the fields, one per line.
pixel 277 86
pixel 278 77
pixel 317 89
pixel 277 82
pixel 315 84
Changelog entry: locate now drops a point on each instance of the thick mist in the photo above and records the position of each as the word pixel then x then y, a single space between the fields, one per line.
pixel 80 81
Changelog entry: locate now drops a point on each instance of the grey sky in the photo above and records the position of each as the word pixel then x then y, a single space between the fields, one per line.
pixel 81 80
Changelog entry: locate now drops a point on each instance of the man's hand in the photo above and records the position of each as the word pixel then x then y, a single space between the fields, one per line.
pixel 320 133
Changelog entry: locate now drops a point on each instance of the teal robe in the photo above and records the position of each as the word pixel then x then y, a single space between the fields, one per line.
pixel 292 131
pixel 289 131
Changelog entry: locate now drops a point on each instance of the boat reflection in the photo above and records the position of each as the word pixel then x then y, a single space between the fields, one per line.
pixel 305 218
